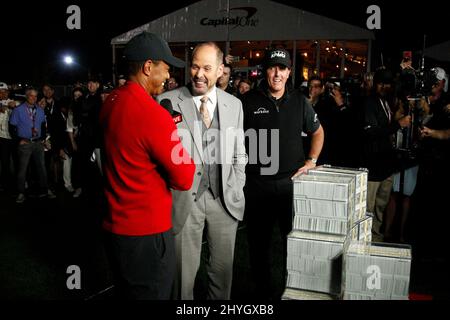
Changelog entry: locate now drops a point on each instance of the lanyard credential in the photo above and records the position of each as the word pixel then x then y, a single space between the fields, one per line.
pixel 32 114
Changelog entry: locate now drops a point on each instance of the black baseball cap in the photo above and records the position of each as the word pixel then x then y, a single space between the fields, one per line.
pixel 147 46
pixel 278 57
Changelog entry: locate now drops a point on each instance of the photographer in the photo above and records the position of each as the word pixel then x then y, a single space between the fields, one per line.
pixel 434 172
pixel 410 100
pixel 404 181
pixel 379 156
pixel 434 132
pixel 333 113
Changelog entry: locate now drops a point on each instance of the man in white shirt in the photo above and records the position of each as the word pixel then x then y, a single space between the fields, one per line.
pixel 215 203
pixel 6 144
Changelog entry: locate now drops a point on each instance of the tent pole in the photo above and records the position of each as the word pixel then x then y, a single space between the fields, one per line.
pixel 114 64
pixel 227 43
pixel 186 60
pixel 294 61
pixel 369 55
pixel 318 58
pixel 342 76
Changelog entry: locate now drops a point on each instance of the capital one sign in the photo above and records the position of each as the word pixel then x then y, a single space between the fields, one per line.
pixel 238 17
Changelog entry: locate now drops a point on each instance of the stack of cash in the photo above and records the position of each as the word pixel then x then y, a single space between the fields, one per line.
pixel 330 253
pixel 376 271
pixel 360 177
pixel 324 203
pixel 314 261
pixel 362 229
pixel 330 213
pixel 296 294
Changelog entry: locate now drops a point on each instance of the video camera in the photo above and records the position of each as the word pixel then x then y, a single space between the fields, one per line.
pixel 413 88
pixel 347 87
pixel 417 84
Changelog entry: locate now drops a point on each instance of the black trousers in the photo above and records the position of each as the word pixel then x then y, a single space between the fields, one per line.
pixel 6 151
pixel 143 266
pixel 268 203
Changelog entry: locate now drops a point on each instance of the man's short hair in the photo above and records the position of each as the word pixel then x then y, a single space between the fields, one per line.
pixel 134 67
pixel 227 65
pixel 315 78
pixel 210 44
pixel 94 79
pixel 247 81
pixel 28 89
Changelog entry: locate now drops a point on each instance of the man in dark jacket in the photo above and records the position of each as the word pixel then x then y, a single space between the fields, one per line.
pixel 277 115
pixel 379 127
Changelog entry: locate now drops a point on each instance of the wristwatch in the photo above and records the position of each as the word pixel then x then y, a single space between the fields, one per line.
pixel 313 160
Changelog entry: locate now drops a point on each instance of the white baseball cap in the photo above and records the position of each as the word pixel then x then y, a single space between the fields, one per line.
pixel 3 86
pixel 440 73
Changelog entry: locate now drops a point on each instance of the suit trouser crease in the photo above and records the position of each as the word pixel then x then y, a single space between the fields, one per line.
pixel 221 230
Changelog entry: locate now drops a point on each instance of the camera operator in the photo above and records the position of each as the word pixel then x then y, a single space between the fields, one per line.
pixel 434 132
pixel 434 172
pixel 410 100
pixel 328 102
pixel 379 155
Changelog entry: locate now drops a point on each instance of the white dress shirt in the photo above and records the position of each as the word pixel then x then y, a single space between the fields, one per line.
pixel 212 102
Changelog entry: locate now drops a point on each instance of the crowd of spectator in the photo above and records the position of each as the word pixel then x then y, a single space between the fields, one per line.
pixel 50 143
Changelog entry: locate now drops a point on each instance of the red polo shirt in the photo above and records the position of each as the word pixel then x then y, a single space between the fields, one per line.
pixel 141 163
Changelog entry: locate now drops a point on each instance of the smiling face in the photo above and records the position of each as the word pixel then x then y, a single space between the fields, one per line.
pixel 277 77
pixel 3 94
pixel 206 68
pixel 158 75
pixel 93 86
pixel 31 96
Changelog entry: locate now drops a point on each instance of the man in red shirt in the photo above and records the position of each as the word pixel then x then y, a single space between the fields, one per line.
pixel 142 161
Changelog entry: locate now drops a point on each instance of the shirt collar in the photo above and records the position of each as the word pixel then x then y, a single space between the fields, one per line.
pixel 212 96
pixel 32 106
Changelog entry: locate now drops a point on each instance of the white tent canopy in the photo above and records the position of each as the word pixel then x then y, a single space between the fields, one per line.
pixel 247 20
pixel 241 20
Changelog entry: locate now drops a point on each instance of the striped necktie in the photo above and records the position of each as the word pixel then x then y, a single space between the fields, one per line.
pixel 204 111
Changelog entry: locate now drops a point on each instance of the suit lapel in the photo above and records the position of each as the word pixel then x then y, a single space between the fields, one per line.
pixel 187 108
pixel 226 121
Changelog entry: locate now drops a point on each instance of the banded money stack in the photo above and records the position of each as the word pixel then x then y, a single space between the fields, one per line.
pixel 328 206
pixel 330 253
pixel 376 271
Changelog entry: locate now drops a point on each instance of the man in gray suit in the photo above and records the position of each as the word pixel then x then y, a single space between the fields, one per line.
pixel 212 131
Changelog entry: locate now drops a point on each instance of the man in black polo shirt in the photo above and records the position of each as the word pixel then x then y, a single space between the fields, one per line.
pixel 278 115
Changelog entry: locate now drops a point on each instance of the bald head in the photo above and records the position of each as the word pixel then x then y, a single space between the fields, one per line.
pixel 206 67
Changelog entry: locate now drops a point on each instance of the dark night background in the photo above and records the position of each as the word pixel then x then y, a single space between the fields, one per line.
pixel 35 36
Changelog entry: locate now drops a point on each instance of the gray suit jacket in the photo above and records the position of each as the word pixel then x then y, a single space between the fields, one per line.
pixel 232 155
